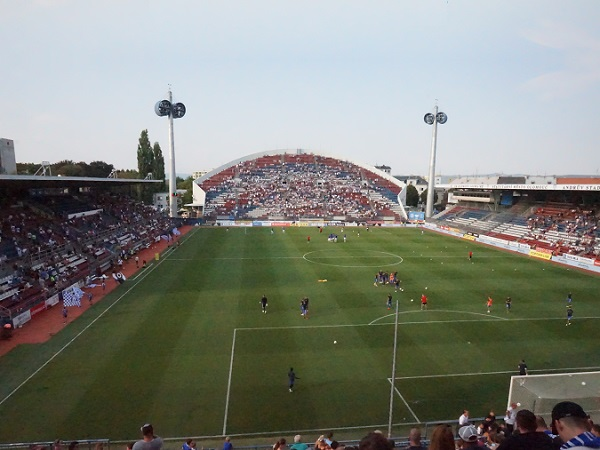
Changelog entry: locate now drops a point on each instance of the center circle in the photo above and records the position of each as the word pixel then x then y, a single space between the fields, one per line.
pixel 367 258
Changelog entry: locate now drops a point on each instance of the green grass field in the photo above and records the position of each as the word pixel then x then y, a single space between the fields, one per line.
pixel 184 344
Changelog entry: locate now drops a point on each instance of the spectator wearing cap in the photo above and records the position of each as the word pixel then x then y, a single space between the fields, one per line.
pixel 298 445
pixel 528 437
pixel 149 441
pixel 573 426
pixel 469 437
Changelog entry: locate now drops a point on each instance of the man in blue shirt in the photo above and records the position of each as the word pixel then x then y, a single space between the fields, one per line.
pixel 573 425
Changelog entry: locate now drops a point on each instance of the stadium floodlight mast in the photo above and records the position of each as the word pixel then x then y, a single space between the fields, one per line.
pixel 173 111
pixel 432 119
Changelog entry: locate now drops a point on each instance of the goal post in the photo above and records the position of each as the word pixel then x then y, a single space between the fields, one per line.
pixel 539 393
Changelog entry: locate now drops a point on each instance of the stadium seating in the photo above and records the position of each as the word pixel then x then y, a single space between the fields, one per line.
pixel 297 186
pixel 42 251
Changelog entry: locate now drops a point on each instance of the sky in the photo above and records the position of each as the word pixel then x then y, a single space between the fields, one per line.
pixel 518 80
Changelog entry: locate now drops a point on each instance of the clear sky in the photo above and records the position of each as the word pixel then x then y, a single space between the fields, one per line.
pixel 519 81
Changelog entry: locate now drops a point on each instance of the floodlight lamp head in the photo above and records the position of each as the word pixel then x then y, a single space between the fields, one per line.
pixel 162 108
pixel 441 118
pixel 429 119
pixel 178 110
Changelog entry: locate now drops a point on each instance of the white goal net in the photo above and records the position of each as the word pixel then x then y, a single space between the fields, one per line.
pixel 539 393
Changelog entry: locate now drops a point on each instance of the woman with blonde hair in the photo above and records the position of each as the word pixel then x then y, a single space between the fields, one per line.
pixel 442 438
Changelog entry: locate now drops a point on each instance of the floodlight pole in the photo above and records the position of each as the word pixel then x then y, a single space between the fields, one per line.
pixel 172 176
pixel 393 383
pixel 432 119
pixel 173 111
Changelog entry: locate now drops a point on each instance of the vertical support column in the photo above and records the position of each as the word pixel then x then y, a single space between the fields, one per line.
pixel 431 181
pixel 172 174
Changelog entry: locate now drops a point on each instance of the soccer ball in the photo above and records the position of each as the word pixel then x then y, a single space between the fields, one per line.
pixel 412 299
pixel 583 383
pixel 518 404
pixel 335 342
pixel 425 287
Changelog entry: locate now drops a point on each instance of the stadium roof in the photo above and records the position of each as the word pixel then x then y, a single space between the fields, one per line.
pixel 30 181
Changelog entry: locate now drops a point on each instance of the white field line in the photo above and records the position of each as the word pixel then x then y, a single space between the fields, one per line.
pixel 420 322
pixel 404 401
pixel 229 383
pixel 475 374
pixel 147 272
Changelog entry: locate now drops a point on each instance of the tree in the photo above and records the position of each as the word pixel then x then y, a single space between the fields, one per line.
pixel 27 168
pixel 99 169
pixel 412 196
pixel 145 155
pixel 68 168
pixel 424 197
pixel 158 166
pixel 186 184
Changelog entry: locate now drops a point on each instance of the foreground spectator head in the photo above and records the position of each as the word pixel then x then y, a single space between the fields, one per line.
pixel 414 437
pixel 569 420
pixel 442 438
pixel 526 421
pixel 469 436
pixel 375 441
pixel 149 440
pixel 147 430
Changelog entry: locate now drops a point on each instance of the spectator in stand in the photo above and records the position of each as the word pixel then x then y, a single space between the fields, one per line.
pixel 596 430
pixel 187 445
pixel 463 420
pixel 414 440
pixel 149 441
pixel 468 437
pixel 281 444
pixel 573 426
pixel 442 438
pixel 543 427
pixel 510 418
pixel 298 445
pixel 227 445
pixel 528 437
pixel 375 441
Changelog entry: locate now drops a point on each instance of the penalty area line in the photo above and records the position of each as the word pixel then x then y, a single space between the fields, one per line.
pixel 404 401
pixel 501 372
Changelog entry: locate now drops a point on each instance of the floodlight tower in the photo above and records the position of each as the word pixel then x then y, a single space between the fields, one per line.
pixel 432 119
pixel 173 111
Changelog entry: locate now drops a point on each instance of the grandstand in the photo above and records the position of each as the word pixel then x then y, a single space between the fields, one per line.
pixel 558 215
pixel 59 231
pixel 296 185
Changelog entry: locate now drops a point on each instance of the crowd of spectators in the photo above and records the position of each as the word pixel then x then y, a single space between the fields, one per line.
pixel 565 229
pixel 556 228
pixel 43 251
pixel 571 427
pixel 297 186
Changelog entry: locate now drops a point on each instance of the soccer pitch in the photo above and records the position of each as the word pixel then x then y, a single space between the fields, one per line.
pixel 184 344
